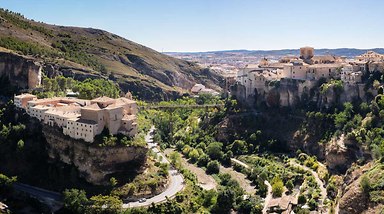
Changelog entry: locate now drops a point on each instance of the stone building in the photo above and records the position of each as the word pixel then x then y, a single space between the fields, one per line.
pixel 307 53
pixel 83 119
pixel 21 100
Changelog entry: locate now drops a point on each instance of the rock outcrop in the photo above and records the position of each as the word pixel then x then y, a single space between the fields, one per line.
pixel 291 92
pixel 341 153
pixel 96 164
pixel 22 72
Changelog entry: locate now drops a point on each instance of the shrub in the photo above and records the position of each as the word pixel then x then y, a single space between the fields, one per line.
pixel 214 150
pixel 203 160
pixel 302 199
pixel 277 187
pixel 213 167
pixel 289 185
pixel 365 184
pixel 193 155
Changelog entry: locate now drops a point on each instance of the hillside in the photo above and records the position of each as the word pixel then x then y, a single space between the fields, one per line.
pixel 87 52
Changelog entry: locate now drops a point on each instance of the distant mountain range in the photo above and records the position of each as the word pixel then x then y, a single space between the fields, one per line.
pixel 347 52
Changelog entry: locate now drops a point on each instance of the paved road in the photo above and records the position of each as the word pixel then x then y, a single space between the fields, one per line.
pixel 50 198
pixel 176 180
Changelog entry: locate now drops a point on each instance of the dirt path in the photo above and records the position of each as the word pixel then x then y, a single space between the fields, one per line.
pixel 241 178
pixel 205 181
pixel 268 197
pixel 319 182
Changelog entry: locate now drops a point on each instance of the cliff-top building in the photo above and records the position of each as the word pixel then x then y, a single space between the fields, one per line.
pixel 83 119
pixel 307 68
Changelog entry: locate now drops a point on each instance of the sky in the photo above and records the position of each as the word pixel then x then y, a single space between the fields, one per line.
pixel 209 25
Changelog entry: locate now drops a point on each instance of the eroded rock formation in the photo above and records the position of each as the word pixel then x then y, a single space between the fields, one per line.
pixel 22 72
pixel 96 164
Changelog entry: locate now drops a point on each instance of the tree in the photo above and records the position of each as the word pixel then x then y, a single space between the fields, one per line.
pixel 75 200
pixel 175 159
pixel 225 200
pixel 20 145
pixel 277 187
pixel 365 184
pixel 239 147
pixel 105 204
pixel 213 167
pixel 164 168
pixel 203 160
pixel 209 197
pixel 193 155
pixel 289 185
pixel 62 83
pixel 301 199
pixel 214 150
pixel 113 181
pixel 226 160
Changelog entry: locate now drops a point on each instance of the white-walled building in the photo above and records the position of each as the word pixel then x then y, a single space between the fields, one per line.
pixel 21 100
pixel 83 119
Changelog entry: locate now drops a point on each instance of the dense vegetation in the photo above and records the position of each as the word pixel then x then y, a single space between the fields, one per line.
pixel 87 89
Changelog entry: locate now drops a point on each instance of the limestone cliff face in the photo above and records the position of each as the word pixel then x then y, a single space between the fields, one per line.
pixel 290 93
pixel 96 164
pixel 22 72
pixel 340 153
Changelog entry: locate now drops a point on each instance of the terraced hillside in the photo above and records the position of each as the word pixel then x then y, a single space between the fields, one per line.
pixel 87 52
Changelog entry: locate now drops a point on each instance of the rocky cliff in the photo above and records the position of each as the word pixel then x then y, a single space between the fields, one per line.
pixel 21 72
pixel 291 93
pixel 96 164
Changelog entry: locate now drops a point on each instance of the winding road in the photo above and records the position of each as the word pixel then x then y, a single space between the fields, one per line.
pixel 176 179
pixel 54 199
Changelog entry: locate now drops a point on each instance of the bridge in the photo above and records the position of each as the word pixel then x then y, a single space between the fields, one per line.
pixel 192 106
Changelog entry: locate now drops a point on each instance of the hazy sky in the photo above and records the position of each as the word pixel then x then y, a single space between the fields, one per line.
pixel 203 25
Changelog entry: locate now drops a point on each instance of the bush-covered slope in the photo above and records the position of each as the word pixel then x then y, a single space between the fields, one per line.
pixel 133 66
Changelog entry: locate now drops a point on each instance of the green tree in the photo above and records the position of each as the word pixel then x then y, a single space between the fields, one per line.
pixel 239 147
pixel 203 160
pixel 214 150
pixel 193 155
pixel 105 204
pixel 75 200
pixel 175 159
pixel 277 187
pixel 113 181
pixel 302 199
pixel 213 167
pixel 289 185
pixel 62 83
pixel 20 145
pixel 365 184
pixel 225 200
